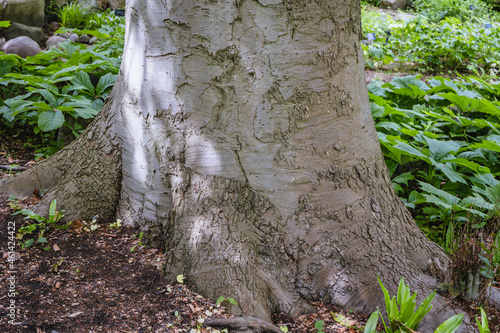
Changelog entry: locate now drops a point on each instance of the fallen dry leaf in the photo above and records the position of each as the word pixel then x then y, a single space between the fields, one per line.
pixel 74 315
pixel 55 247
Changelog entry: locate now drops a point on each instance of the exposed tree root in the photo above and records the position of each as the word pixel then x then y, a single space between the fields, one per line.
pixel 244 324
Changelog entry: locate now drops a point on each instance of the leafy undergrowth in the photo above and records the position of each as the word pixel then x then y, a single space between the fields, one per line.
pixel 441 141
pixel 58 91
pixel 105 281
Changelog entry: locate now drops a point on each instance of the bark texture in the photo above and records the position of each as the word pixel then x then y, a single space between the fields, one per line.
pixel 240 136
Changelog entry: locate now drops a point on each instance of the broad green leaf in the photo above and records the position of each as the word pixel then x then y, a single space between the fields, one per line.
pixel 320 325
pixel 105 82
pixel 493 194
pixel 52 208
pixel 452 175
pixel 50 120
pixel 469 164
pixel 450 325
pixel 403 178
pixel 81 81
pixel 49 97
pixel 438 149
pixel 487 144
pixel 408 81
pixel 483 325
pixel 448 198
pixel 463 102
pixel 386 296
pixel 388 126
pixel 420 313
pixel 371 324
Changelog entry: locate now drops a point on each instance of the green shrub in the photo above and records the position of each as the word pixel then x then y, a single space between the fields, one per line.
pixel 441 141
pixel 445 46
pixel 72 15
pixel 402 315
pixel 61 87
pixel 437 10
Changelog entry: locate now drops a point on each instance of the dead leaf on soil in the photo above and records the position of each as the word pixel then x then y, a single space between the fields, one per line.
pixel 74 315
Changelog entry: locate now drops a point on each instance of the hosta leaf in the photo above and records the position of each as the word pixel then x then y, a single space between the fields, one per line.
pixel 50 120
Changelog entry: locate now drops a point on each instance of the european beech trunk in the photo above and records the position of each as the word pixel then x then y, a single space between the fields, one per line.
pixel 239 136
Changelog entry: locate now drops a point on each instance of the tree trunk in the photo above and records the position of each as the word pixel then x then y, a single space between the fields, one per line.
pixel 239 135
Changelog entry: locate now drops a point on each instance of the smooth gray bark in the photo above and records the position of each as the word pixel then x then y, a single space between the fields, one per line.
pixel 243 140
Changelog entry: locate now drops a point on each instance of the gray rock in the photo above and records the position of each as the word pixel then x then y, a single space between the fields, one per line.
pixel 116 4
pixel 2 41
pixel 73 38
pixel 22 46
pixel 54 26
pixel 93 40
pixel 393 4
pixel 17 29
pixel 54 41
pixel 28 12
pixel 84 39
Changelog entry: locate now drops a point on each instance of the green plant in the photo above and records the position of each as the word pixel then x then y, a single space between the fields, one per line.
pixel 320 326
pixel 437 10
pixel 442 46
pixel 474 254
pixel 116 224
pixel 72 15
pixel 139 243
pixel 402 314
pixel 61 88
pixel 483 324
pixel 4 24
pixel 222 299
pixel 441 142
pixel 41 224
pixel 344 321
